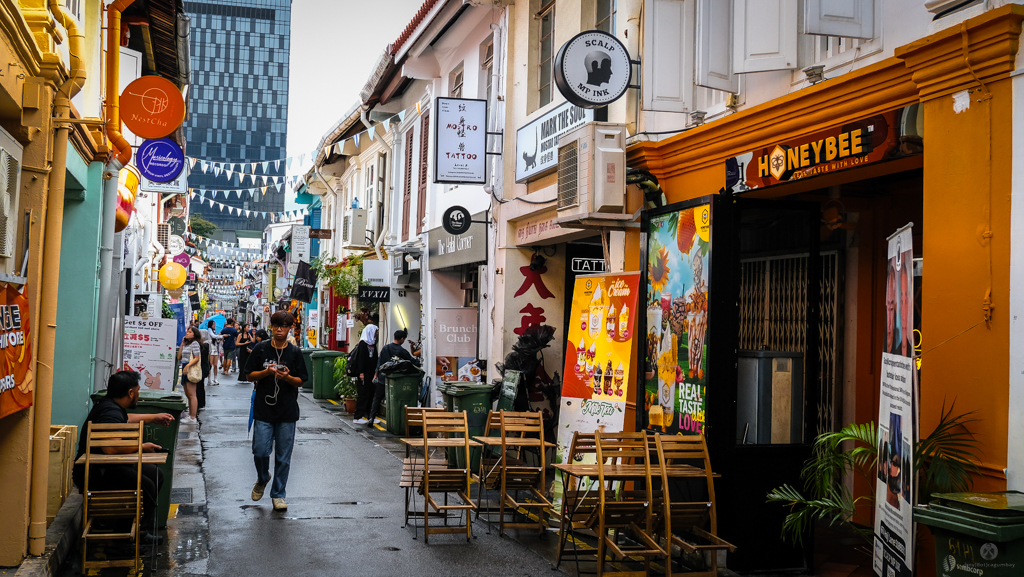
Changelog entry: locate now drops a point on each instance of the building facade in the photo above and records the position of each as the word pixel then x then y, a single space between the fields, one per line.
pixel 239 110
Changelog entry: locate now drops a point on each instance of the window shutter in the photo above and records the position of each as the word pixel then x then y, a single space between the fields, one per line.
pixel 668 55
pixel 845 18
pixel 407 193
pixel 764 35
pixel 8 176
pixel 714 46
pixel 421 198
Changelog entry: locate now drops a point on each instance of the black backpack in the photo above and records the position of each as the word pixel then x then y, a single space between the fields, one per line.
pixel 352 360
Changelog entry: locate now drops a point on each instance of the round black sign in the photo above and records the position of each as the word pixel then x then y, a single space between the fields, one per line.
pixel 456 220
pixel 592 69
pixel 177 225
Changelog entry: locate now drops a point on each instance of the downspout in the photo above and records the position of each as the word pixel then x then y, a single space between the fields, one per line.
pixel 120 155
pixel 50 281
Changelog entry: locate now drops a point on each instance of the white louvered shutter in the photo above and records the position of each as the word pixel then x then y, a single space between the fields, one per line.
pixel 764 35
pixel 668 55
pixel 844 18
pixel 714 46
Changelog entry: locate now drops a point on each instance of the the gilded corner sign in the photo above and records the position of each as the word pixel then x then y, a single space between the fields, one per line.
pixel 882 137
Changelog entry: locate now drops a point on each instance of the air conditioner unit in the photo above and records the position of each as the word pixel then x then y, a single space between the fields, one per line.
pixel 592 170
pixel 163 234
pixel 353 228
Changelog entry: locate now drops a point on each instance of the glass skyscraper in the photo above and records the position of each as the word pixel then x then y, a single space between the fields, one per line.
pixel 239 103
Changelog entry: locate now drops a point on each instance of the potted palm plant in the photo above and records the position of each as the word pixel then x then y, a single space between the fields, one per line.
pixel 344 385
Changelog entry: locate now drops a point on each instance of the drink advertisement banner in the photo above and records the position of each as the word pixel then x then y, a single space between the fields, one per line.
pixel 675 371
pixel 17 383
pixel 597 357
pixel 894 491
pixel 149 348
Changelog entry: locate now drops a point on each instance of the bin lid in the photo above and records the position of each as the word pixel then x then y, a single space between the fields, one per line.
pixel 173 400
pixel 319 354
pixel 1007 504
pixel 460 388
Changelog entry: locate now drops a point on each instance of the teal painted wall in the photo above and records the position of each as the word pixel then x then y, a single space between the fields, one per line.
pixel 78 297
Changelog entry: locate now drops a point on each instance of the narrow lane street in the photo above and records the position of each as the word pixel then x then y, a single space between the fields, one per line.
pixel 344 512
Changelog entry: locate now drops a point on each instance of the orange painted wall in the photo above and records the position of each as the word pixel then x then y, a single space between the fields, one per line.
pixel 967 169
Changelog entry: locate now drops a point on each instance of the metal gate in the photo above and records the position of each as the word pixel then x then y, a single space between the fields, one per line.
pixel 773 311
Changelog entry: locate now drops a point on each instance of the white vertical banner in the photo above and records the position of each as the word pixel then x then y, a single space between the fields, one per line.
pixel 897 417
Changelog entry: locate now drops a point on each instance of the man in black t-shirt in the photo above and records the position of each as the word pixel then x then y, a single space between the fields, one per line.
pixel 230 333
pixel 277 368
pixel 123 394
pixel 387 354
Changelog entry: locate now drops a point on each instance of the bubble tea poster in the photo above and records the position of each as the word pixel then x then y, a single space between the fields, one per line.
pixel 675 364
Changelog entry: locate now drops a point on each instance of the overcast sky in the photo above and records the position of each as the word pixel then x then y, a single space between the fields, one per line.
pixel 334 45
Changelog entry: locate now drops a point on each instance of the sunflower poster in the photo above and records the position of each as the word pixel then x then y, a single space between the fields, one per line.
pixel 676 307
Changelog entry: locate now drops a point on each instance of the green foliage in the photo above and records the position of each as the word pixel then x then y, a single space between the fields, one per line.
pixel 165 309
pixel 201 226
pixel 342 276
pixel 943 462
pixel 344 385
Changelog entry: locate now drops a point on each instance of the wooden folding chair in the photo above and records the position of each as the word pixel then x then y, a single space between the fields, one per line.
pixel 695 520
pixel 111 505
pixel 412 467
pixel 489 477
pixel 518 431
pixel 452 430
pixel 578 503
pixel 620 510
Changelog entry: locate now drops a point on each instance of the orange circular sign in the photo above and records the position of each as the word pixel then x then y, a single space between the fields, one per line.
pixel 152 107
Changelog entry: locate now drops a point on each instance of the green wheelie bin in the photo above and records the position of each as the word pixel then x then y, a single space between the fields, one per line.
pixel 400 391
pixel 976 533
pixel 151 402
pixel 323 373
pixel 475 400
pixel 306 358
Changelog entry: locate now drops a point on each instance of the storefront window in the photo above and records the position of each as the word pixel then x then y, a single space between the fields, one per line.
pixel 547 53
pixel 471 284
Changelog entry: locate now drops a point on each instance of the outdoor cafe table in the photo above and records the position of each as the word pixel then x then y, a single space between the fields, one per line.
pixel 616 472
pixel 124 459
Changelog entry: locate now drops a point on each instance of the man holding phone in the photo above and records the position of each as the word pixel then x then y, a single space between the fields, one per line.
pixel 277 368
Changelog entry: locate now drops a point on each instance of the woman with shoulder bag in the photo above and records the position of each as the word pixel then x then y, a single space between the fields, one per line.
pixel 364 369
pixel 244 343
pixel 190 354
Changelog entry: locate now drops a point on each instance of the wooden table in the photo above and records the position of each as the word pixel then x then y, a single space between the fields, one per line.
pixel 440 442
pixel 125 459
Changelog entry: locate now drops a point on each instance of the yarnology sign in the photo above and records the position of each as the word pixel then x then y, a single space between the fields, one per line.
pixel 160 160
pixel 592 69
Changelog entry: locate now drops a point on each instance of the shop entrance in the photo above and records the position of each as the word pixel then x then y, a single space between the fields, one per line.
pixel 763 415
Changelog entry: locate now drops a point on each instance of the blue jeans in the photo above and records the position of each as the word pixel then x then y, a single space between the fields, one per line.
pixel 280 437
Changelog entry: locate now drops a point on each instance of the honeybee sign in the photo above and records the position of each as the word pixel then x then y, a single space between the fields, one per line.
pixel 837 148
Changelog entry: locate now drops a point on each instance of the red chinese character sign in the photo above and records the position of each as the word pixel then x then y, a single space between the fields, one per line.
pixel 17 382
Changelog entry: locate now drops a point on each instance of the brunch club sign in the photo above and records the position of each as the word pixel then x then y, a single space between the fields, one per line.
pixel 17 384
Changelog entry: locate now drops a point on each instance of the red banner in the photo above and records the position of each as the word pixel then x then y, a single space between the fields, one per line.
pixel 17 383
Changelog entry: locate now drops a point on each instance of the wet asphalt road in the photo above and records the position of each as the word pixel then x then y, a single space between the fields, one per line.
pixel 344 512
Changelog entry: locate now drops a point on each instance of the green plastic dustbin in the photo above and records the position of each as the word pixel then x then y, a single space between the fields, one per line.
pixel 306 358
pixel 400 391
pixel 152 402
pixel 323 373
pixel 475 400
pixel 976 533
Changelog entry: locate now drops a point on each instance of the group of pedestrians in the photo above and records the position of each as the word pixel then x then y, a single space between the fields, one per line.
pixel 370 384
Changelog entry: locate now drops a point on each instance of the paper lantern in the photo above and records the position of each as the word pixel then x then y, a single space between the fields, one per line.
pixel 127 189
pixel 172 275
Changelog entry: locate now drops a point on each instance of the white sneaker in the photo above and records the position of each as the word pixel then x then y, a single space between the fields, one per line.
pixel 361 421
pixel 280 504
pixel 187 420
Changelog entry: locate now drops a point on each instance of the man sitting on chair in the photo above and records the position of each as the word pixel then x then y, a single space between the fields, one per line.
pixel 123 394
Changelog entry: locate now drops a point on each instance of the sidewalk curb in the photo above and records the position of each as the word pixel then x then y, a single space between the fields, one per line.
pixel 61 539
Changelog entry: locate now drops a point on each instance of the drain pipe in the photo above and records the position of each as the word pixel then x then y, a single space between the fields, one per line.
pixel 49 281
pixel 120 155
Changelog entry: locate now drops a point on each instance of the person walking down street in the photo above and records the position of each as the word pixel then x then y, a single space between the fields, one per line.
pixel 279 371
pixel 387 354
pixel 365 367
pixel 123 394
pixel 216 350
pixel 244 342
pixel 190 354
pixel 230 333
pixel 205 344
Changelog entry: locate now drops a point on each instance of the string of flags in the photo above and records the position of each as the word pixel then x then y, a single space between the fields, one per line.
pixel 239 191
pixel 200 239
pixel 274 216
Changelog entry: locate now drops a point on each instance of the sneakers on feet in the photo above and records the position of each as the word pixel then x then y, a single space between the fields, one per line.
pixel 361 421
pixel 280 504
pixel 257 491
pixel 187 420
